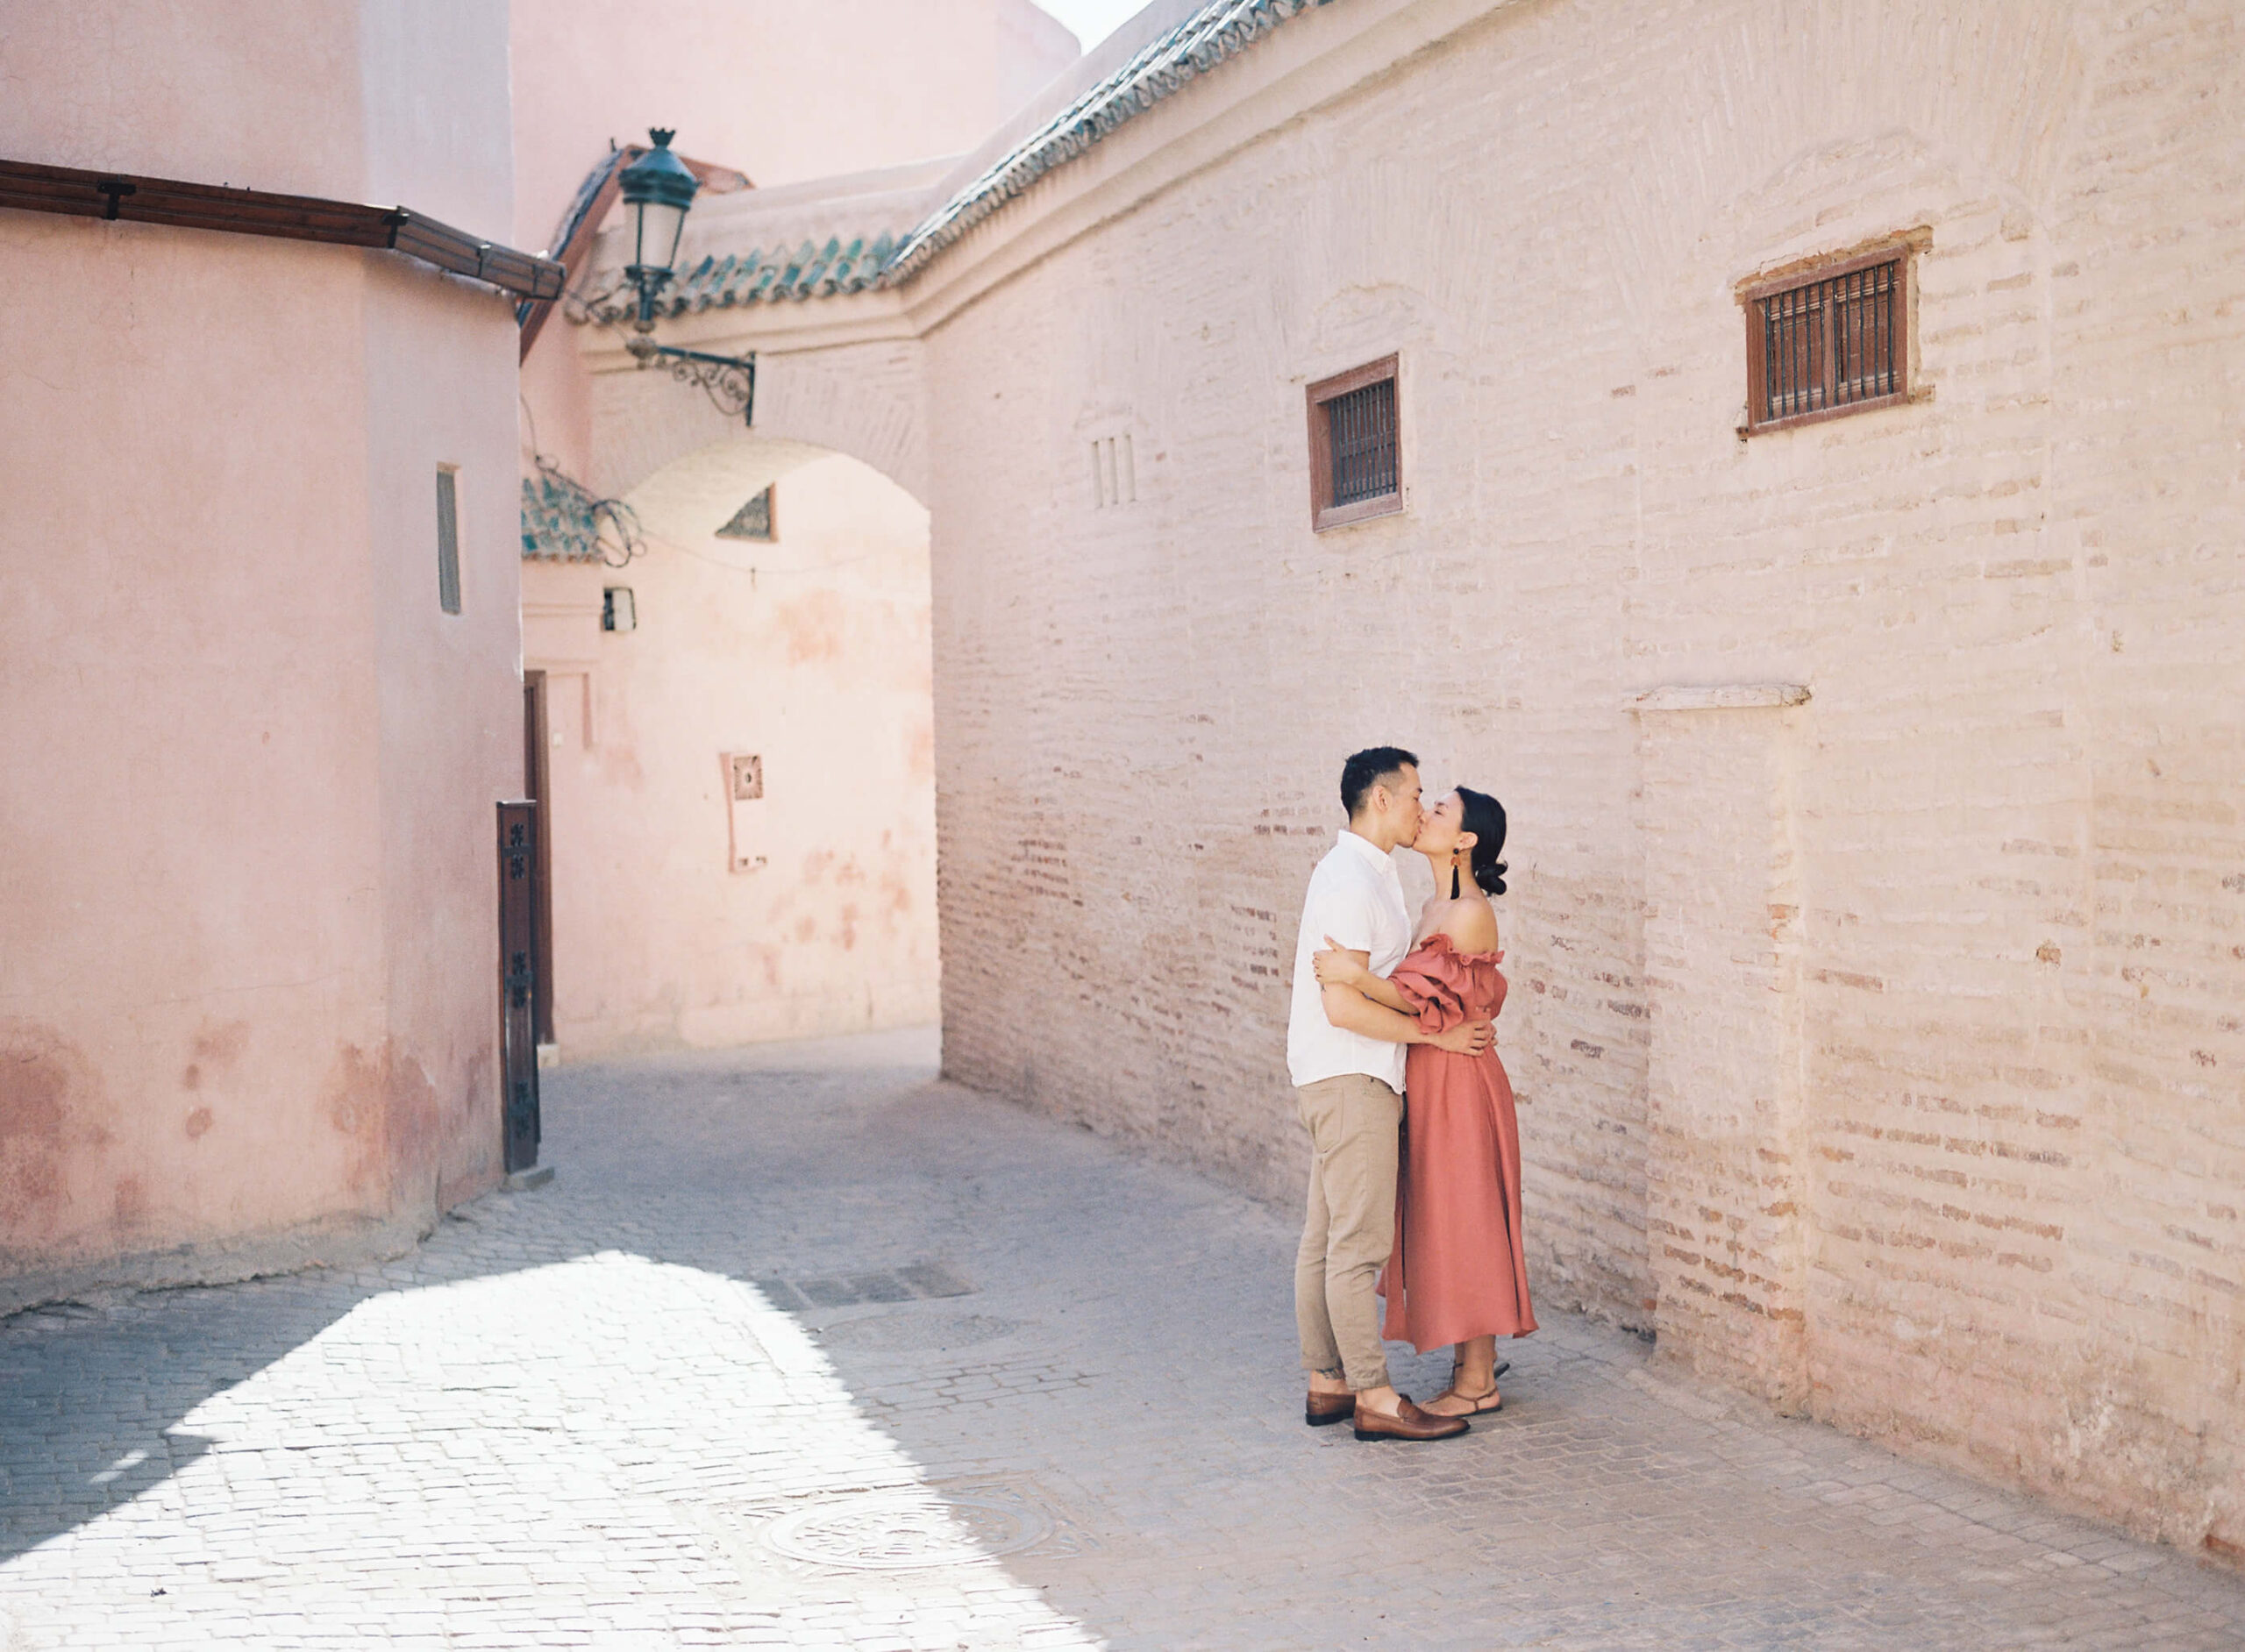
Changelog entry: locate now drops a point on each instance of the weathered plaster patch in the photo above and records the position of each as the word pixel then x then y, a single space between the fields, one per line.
pixel 49 1105
pixel 128 1205
pixel 387 1108
pixel 216 1050
pixel 813 625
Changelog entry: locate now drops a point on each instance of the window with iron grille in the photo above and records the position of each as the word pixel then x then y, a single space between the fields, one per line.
pixel 447 539
pixel 1356 467
pixel 1833 341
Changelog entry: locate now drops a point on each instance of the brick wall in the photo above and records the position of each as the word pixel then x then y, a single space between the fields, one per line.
pixel 1911 1012
pixel 1722 980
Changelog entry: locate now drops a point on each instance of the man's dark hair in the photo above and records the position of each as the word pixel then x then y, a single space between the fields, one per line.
pixel 1370 768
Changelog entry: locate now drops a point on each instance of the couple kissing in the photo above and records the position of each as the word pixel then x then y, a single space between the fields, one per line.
pixel 1415 1148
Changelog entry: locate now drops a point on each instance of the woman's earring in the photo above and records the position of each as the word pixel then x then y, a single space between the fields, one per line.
pixel 1453 875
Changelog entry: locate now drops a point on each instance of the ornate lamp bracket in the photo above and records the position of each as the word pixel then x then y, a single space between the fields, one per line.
pixel 730 382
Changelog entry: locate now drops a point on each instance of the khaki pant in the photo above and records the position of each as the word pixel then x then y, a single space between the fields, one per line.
pixel 1352 1122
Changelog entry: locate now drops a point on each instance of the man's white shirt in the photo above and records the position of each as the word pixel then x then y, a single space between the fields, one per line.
pixel 1355 896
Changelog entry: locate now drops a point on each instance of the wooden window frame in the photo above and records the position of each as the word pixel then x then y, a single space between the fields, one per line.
pixel 1900 251
pixel 1320 395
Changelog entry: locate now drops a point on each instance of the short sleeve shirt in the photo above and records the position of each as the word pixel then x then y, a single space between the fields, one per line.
pixel 1355 896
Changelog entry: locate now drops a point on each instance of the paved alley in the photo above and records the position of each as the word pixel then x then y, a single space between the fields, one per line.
pixel 803 1349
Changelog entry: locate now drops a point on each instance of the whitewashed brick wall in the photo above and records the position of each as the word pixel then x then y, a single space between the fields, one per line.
pixel 1882 1053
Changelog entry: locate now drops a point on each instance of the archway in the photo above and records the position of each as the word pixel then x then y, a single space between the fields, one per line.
pixel 741 756
pixel 863 399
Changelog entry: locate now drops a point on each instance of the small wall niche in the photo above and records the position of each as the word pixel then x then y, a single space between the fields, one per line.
pixel 743 778
pixel 1113 471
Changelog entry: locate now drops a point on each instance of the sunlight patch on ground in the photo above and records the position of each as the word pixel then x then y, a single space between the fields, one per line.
pixel 643 1449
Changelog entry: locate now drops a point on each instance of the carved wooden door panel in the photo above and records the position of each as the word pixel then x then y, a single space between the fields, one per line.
pixel 518 880
pixel 536 789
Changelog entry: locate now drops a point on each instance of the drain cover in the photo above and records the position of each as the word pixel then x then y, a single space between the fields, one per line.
pixel 916 1333
pixel 904 1531
pixel 890 1285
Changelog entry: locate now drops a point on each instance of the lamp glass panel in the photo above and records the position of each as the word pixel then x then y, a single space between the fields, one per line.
pixel 659 227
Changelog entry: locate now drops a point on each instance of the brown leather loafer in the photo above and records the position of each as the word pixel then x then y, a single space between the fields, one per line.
pixel 1321 1409
pixel 1408 1423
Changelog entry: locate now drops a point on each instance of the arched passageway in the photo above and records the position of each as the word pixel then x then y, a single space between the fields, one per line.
pixel 737 755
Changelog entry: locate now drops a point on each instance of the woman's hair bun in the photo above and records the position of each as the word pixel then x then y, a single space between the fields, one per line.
pixel 1485 818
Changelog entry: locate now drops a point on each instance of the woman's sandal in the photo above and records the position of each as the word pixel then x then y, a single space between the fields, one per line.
pixel 1480 1408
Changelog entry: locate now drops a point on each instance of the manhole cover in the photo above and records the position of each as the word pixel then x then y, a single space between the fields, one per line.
pixel 901 1532
pixel 916 1333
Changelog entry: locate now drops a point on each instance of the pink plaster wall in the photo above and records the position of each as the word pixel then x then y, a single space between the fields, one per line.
pixel 811 654
pixel 782 91
pixel 247 998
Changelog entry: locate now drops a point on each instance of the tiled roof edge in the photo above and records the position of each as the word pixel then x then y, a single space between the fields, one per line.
pixel 1213 34
pixel 762 275
pixel 1217 33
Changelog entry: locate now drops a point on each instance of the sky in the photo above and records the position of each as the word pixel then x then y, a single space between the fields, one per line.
pixel 1092 21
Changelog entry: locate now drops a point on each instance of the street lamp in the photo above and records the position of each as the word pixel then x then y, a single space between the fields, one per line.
pixel 658 189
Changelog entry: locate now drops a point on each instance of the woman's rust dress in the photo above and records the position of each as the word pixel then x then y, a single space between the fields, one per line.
pixel 1459 1270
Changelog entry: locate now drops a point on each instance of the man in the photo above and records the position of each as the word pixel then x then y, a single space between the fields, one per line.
pixel 1345 1054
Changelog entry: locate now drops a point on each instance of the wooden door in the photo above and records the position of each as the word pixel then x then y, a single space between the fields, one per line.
pixel 518 981
pixel 536 786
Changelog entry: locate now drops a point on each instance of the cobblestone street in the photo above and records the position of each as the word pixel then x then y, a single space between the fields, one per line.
pixel 802 1349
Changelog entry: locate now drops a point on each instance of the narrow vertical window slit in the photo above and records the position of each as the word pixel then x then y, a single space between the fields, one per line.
pixel 447 540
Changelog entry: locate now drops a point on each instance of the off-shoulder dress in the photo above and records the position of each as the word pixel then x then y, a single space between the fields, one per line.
pixel 1459 1270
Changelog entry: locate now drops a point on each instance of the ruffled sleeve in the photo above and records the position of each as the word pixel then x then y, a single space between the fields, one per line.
pixel 1449 986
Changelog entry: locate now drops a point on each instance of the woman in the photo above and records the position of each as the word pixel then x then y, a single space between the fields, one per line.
pixel 1458 1274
